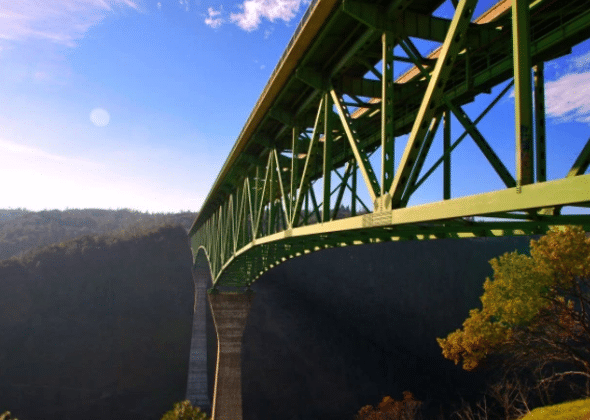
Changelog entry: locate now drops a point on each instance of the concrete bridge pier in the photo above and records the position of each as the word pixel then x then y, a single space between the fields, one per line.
pixel 197 386
pixel 230 311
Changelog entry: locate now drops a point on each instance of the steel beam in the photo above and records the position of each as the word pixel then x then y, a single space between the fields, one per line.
pixel 294 171
pixel 582 161
pixel 447 156
pixel 566 191
pixel 447 152
pixel 521 47
pixel 387 115
pixel 434 92
pixel 421 157
pixel 416 25
pixel 327 155
pixel 283 196
pixel 310 158
pixel 359 154
pixel 483 145
pixel 540 133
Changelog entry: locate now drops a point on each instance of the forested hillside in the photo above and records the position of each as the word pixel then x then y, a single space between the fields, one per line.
pixel 96 327
pixel 21 230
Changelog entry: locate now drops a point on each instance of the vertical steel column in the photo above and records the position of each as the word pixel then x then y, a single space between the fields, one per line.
pixel 387 140
pixel 327 163
pixel 275 224
pixel 221 232
pixel 217 258
pixel 521 47
pixel 540 136
pixel 256 223
pixel 243 226
pixel 281 221
pixel 353 194
pixel 447 155
pixel 306 207
pixel 294 170
pixel 271 192
pixel 230 312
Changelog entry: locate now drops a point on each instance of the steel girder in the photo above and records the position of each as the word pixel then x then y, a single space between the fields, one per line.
pixel 318 123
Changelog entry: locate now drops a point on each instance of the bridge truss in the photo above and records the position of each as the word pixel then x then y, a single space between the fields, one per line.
pixel 333 105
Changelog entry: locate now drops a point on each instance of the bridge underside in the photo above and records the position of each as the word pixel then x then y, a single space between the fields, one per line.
pixel 248 263
pixel 303 173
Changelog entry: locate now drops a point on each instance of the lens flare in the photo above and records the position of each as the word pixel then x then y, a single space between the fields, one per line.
pixel 99 117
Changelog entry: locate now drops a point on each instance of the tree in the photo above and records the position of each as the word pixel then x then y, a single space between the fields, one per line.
pixel 390 409
pixel 183 410
pixel 536 310
pixel 6 416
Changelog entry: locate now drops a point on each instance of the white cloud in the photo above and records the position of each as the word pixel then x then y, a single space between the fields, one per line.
pixel 57 21
pixel 568 98
pixel 212 19
pixel 253 11
pixel 159 6
pixel 582 61
pixel 185 4
pixel 35 155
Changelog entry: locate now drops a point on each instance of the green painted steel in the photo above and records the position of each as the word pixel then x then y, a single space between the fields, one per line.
pixel 387 112
pixel 521 47
pixel 447 156
pixel 333 102
pixel 540 140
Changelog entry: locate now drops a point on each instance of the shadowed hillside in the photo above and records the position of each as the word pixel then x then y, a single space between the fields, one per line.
pixel 97 327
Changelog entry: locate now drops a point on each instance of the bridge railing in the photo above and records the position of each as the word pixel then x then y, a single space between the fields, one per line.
pixel 283 58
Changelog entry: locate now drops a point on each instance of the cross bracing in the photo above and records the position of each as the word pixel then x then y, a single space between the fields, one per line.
pixel 334 104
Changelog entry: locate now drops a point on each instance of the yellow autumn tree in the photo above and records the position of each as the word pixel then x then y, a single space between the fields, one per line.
pixel 535 310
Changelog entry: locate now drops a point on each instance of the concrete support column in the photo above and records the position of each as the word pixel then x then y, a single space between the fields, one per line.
pixel 230 311
pixel 197 386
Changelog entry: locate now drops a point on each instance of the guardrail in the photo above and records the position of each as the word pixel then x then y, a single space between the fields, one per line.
pixel 300 26
pixel 283 58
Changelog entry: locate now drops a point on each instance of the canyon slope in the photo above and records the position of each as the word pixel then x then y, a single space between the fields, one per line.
pixel 98 327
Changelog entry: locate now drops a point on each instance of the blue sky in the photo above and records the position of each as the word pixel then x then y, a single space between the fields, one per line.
pixel 137 103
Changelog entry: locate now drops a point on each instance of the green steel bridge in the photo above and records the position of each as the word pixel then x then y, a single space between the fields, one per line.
pixel 321 115
pixel 324 131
